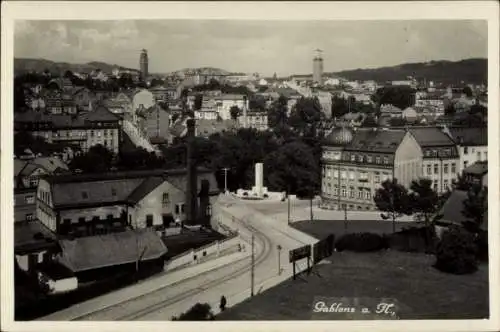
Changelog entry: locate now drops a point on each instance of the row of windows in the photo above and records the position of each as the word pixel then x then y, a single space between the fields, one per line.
pixel 446 168
pixel 106 132
pixel 351 193
pixel 367 159
pixel 362 176
pixel 435 153
pixel 44 196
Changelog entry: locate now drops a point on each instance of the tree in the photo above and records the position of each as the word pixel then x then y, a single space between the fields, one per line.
pixel 235 112
pixel 257 103
pixel 197 312
pixel 98 159
pixel 156 82
pixel 475 208
pixel 425 202
pixel 292 168
pixel 198 101
pixel 467 91
pixel 399 96
pixel 277 113
pixel 393 199
pixel 369 122
pixel 450 109
pixel 339 107
pixel 305 114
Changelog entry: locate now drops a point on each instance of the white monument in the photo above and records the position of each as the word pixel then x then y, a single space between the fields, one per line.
pixel 259 190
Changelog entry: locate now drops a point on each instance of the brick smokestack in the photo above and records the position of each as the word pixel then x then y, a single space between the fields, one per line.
pixel 192 185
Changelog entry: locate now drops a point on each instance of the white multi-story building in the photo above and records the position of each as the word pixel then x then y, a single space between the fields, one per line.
pixel 97 127
pixel 440 157
pixel 226 101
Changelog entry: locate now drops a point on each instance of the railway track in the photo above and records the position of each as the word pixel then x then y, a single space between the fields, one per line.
pixel 260 257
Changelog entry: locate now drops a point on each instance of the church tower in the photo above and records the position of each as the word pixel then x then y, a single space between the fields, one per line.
pixel 143 64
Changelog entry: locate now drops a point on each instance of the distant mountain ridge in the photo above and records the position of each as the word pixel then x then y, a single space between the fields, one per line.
pixel 24 65
pixel 473 70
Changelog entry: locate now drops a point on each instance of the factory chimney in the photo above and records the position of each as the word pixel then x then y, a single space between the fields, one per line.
pixel 192 185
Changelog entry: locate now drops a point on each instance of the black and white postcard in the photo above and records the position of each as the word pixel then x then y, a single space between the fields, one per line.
pixel 250 166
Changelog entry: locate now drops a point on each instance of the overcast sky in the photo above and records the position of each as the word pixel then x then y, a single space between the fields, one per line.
pixel 266 47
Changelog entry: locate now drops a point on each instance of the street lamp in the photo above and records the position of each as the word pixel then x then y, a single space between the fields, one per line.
pixel 279 258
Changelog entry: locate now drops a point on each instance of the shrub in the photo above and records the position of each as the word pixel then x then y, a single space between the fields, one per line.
pixel 414 239
pixel 361 242
pixel 245 194
pixel 482 246
pixel 197 312
pixel 456 252
pixel 266 196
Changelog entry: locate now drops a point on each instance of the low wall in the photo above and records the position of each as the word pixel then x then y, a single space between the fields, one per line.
pixel 193 256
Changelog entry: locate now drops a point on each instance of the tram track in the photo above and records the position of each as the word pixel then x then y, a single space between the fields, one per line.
pixel 262 256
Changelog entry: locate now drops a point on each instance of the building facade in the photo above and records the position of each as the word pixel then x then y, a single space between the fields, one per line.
pixel 355 163
pixel 86 205
pixel 472 144
pixel 81 131
pixel 226 101
pixel 440 157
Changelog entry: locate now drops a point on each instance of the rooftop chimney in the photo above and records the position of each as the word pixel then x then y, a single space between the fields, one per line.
pixel 192 187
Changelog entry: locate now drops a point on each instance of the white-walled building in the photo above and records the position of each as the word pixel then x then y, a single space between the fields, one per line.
pixel 226 101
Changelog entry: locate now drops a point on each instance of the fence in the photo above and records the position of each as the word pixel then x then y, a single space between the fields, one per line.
pixel 195 255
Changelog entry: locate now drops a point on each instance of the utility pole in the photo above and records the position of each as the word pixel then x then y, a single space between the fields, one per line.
pixel 225 179
pixel 288 196
pixel 252 271
pixel 279 259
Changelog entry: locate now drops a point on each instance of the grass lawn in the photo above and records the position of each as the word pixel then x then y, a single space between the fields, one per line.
pixel 322 228
pixel 422 291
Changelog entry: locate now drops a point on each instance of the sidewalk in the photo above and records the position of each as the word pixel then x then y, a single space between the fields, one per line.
pixel 143 287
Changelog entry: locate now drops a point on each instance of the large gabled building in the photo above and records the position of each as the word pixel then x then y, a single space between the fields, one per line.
pixel 355 163
pixel 472 144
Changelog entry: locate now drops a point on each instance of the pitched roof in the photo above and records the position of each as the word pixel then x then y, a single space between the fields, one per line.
pixel 101 114
pixel 469 136
pixel 148 185
pixel 93 192
pixel 376 140
pixel 431 136
pixel 30 236
pixel 50 164
pixel 478 168
pixel 93 252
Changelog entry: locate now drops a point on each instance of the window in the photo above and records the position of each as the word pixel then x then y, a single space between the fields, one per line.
pixel 428 153
pixel 353 157
pixel 453 168
pixel 360 158
pixel 360 194
pixel 465 163
pixel 377 160
pixel 113 191
pixel 377 178
pixel 91 133
pixel 335 191
pixel 436 168
pixel 328 173
pixel 149 220
pixel 85 195
pixel 29 217
pixel 351 175
pixel 29 199
pixel 485 155
pixel 183 208
pixel 429 170
pixel 445 185
pixel 33 182
pixel 369 159
pixel 466 150
pixel 368 194
pixel 344 192
pixel 445 168
pixel 336 174
pixel 435 185
pixel 165 198
pixel 386 160
pixel 478 156
pixel 351 192
pixel 343 174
